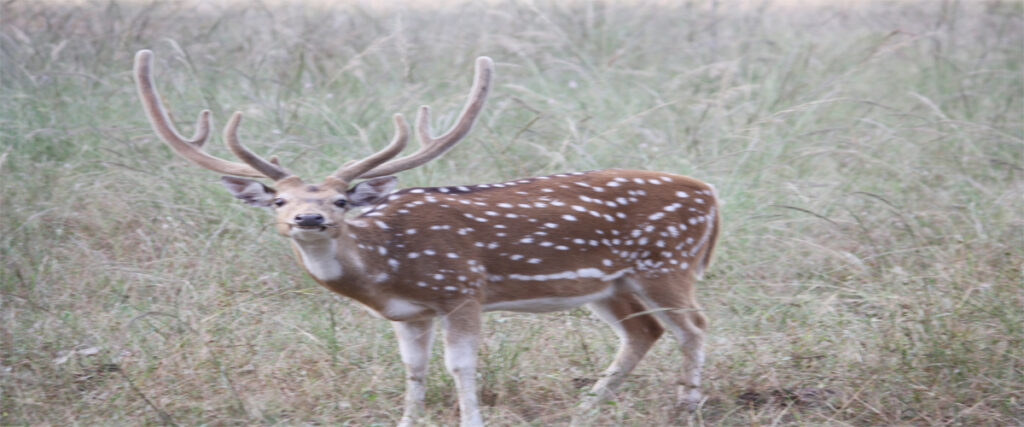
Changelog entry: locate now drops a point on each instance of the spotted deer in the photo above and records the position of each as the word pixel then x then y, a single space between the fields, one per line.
pixel 628 244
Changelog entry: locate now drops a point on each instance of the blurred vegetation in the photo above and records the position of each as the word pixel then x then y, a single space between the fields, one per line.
pixel 870 154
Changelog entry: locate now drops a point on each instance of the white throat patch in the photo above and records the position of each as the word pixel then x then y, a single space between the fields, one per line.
pixel 320 259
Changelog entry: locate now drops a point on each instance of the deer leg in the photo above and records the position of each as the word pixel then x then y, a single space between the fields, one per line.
pixel 461 337
pixel 637 333
pixel 676 307
pixel 414 340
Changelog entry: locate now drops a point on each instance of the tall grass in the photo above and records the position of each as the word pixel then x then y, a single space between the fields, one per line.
pixel 870 157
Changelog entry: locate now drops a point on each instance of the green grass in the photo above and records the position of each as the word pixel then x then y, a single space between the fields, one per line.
pixel 871 158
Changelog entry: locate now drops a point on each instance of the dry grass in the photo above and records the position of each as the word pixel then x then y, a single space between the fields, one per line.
pixel 870 155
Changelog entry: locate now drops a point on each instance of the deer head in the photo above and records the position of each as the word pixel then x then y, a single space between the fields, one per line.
pixel 309 211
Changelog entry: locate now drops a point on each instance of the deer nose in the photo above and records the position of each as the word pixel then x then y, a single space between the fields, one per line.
pixel 309 220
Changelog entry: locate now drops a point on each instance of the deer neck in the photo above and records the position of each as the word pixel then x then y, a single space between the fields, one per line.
pixel 345 263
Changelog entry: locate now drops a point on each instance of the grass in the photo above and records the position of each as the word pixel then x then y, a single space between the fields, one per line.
pixel 871 156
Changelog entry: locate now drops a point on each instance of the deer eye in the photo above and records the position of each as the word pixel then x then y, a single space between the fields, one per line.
pixel 341 203
pixel 279 202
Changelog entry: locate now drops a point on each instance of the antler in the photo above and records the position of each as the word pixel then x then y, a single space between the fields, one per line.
pixel 191 149
pixel 271 169
pixel 353 169
pixel 430 147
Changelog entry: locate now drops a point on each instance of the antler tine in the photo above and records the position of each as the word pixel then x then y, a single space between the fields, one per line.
pixel 270 169
pixel 430 147
pixel 190 149
pixel 353 169
pixel 154 107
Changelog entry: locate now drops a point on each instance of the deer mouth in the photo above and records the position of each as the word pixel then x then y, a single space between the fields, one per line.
pixel 311 227
pixel 321 227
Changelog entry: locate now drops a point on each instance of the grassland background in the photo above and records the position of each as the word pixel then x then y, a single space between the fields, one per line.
pixel 870 157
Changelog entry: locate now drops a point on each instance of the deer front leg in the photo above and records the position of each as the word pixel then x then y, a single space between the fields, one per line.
pixel 461 337
pixel 414 340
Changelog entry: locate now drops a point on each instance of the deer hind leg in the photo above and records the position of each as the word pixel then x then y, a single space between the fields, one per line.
pixel 637 333
pixel 671 299
pixel 461 337
pixel 414 340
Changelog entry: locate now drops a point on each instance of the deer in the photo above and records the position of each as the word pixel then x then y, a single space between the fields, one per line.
pixel 627 244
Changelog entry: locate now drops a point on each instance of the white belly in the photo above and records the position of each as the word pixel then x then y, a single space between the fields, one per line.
pixel 548 304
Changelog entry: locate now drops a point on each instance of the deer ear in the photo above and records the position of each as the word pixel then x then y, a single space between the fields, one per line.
pixel 253 192
pixel 372 190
